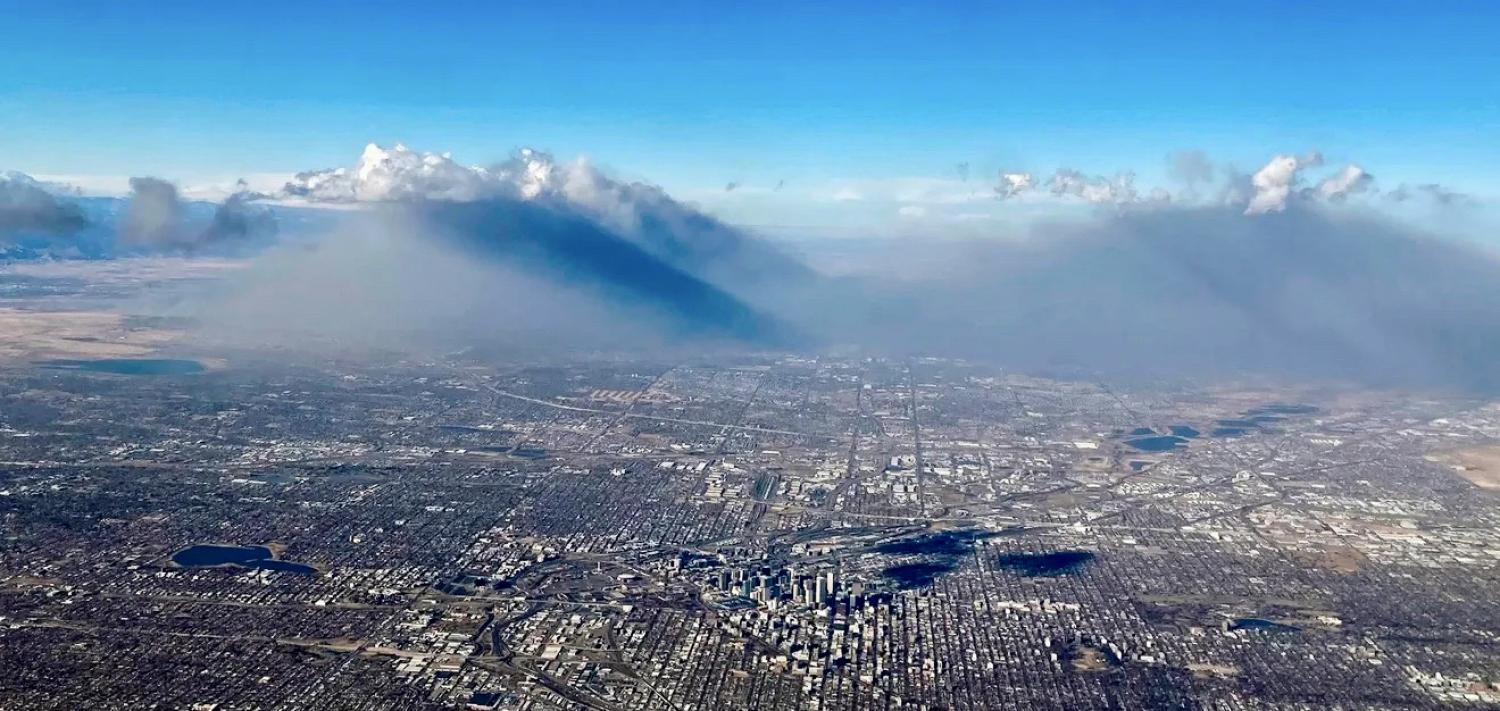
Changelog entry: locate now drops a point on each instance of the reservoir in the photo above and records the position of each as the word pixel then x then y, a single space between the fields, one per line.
pixel 1162 443
pixel 1280 409
pixel 207 555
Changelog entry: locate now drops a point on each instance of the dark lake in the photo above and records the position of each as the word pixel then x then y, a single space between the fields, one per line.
pixel 1184 431
pixel 1036 565
pixel 1256 419
pixel 131 366
pixel 207 555
pixel 1236 423
pixel 1163 443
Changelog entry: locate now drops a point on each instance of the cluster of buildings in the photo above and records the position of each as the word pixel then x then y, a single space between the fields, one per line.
pixel 760 533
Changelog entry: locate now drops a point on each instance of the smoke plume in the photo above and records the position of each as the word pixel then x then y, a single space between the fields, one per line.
pixel 26 208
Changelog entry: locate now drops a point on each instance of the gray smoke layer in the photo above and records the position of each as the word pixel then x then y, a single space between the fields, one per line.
pixel 27 208
pixel 154 216
pixel 157 220
pixel 388 281
pixel 237 219
pixel 530 256
pixel 1192 292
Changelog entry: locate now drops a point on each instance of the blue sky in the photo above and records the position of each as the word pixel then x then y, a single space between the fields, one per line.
pixel 694 95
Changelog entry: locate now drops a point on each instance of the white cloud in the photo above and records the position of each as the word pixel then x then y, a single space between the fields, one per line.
pixel 396 174
pixel 1273 183
pixel 847 194
pixel 1349 181
pixel 400 173
pixel 1013 184
pixel 1276 183
pixel 1092 188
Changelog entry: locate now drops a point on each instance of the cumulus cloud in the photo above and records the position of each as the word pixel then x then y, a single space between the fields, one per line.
pixel 1351 180
pixel 641 213
pixel 1278 183
pixel 1012 184
pixel 628 244
pixel 402 174
pixel 1092 188
pixel 1273 184
pixel 1272 188
pixel 27 207
pixel 396 174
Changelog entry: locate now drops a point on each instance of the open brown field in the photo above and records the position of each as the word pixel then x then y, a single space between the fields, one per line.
pixel 28 335
pixel 1480 465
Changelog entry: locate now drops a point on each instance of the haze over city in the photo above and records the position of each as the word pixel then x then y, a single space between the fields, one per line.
pixel 667 355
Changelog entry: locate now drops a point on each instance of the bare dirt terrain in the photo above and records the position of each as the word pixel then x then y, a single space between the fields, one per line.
pixel 46 335
pixel 1480 465
pixel 84 309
